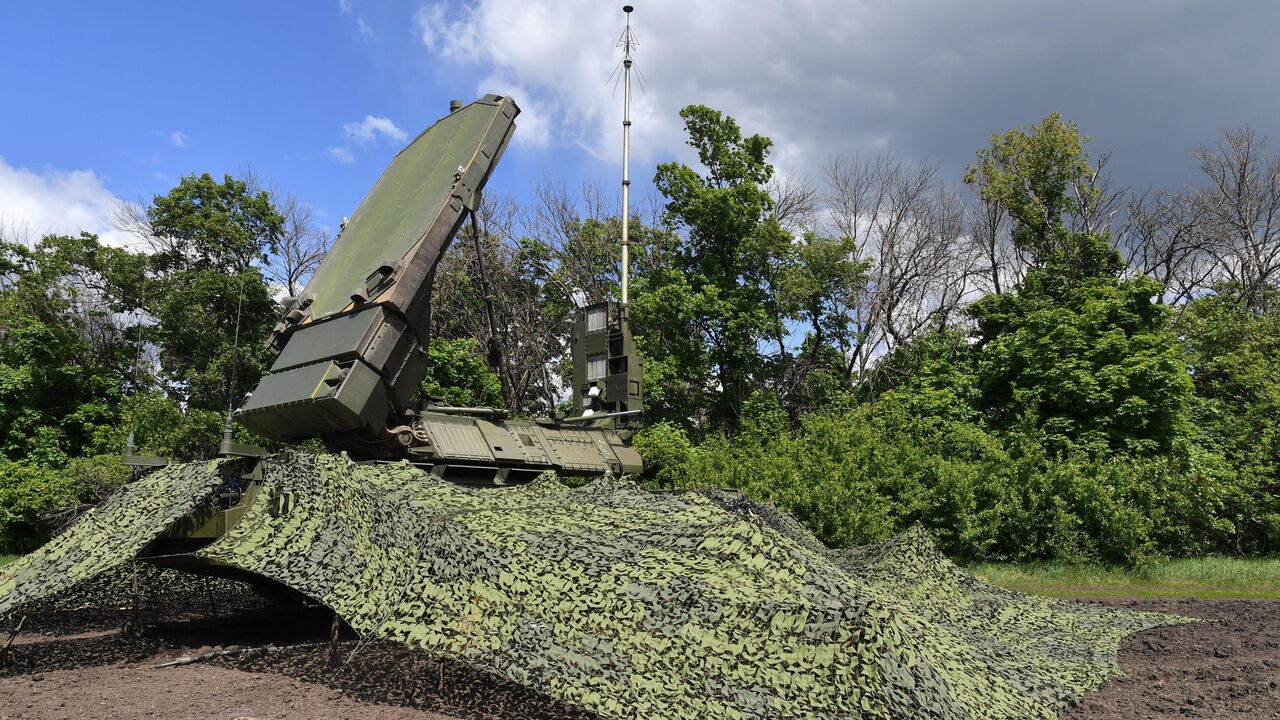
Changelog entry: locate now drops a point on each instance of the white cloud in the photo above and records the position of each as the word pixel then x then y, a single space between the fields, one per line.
pixel 536 115
pixel 367 132
pixel 431 25
pixel 370 129
pixel 362 25
pixel 37 203
pixel 178 138
pixel 556 59
pixel 342 155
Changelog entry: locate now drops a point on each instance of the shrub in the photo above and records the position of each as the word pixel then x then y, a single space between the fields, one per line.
pixel 31 495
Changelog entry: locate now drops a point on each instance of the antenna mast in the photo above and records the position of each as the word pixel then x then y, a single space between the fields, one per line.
pixel 627 42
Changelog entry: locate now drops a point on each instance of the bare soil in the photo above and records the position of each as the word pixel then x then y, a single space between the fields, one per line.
pixel 1225 667
pixel 280 665
pixel 64 667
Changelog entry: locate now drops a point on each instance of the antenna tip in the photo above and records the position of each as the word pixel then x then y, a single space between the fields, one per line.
pixel 627 8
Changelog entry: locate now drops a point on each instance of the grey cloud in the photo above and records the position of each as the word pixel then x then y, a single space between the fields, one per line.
pixel 926 79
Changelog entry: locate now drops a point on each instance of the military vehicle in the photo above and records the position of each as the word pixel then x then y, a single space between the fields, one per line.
pixel 351 349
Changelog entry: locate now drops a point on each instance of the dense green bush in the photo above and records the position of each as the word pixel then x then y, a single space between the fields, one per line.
pixel 666 451
pixel 31 494
pixel 863 474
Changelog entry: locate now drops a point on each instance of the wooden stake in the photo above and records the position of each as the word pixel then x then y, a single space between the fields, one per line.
pixel 333 639
pixel 208 590
pixel 4 652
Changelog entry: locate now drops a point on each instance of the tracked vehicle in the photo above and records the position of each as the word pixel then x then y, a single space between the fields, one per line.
pixel 351 349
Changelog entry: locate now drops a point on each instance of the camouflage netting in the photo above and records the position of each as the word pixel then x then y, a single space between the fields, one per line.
pixel 107 537
pixel 635 604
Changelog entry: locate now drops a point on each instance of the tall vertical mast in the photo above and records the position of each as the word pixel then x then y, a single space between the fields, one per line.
pixel 627 42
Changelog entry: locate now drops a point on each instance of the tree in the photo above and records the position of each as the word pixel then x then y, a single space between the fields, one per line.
pixel 302 244
pixel 1042 178
pixel 61 356
pixel 1241 206
pixel 1001 264
pixel 1095 367
pixel 1235 363
pixel 529 338
pixel 456 372
pixel 1165 239
pixel 704 317
pixel 204 323
pixel 203 224
pixel 204 303
pixel 1081 356
pixel 821 287
pixel 908 230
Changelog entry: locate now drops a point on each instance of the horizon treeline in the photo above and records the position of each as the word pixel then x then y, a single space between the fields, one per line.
pixel 1030 363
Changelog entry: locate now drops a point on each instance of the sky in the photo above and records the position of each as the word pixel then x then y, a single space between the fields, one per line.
pixel 110 101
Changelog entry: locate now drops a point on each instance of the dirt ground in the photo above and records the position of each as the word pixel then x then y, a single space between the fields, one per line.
pixel 64 668
pixel 1226 667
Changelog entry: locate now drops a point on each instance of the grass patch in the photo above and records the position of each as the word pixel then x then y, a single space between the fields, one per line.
pixel 5 559
pixel 1205 578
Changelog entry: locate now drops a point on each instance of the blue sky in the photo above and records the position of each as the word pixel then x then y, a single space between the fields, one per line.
pixel 142 94
pixel 109 101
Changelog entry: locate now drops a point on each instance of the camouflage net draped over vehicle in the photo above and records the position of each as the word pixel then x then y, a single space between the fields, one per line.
pixel 108 536
pixel 634 604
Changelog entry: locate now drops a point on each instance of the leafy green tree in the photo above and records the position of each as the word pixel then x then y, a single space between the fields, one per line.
pixel 820 285
pixel 1235 364
pixel 204 224
pixel 60 358
pixel 1041 176
pixel 705 315
pixel 1096 367
pixel 1085 357
pixel 199 317
pixel 817 290
pixel 457 372
pixel 203 290
pixel 162 426
pixel 934 376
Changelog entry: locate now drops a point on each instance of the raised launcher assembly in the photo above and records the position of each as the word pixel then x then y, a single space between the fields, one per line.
pixel 352 348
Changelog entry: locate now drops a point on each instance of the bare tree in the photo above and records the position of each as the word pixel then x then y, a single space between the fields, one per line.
pixel 912 230
pixel 583 237
pixel 130 216
pixel 1240 206
pixel 1163 237
pixel 1095 203
pixel 795 201
pixel 303 244
pixel 530 340
pixel 16 232
pixel 1002 266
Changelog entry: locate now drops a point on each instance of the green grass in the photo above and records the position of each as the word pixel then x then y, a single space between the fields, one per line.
pixel 1206 578
pixel 5 559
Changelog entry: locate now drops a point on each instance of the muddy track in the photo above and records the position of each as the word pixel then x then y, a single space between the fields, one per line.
pixel 65 667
